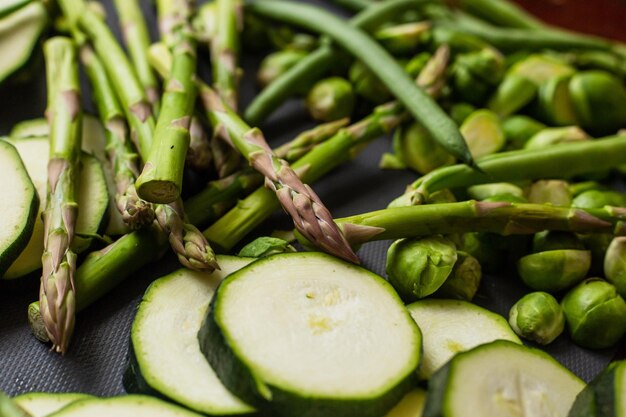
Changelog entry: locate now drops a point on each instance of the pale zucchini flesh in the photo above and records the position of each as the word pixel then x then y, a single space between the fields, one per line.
pixel 92 202
pixel 18 205
pixel 19 34
pixel 305 334
pixel 165 356
pixel 502 379
pixel 42 404
pixel 126 406
pixel 452 326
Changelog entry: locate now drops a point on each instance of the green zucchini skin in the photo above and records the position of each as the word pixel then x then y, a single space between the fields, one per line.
pixel 13 249
pixel 600 398
pixel 134 381
pixel 240 379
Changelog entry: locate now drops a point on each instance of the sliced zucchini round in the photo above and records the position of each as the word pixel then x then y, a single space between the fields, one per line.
pixel 126 406
pixel 452 326
pixel 165 356
pixel 30 128
pixel 42 404
pixel 605 396
pixel 502 379
pixel 19 204
pixel 93 200
pixel 306 334
pixel 19 34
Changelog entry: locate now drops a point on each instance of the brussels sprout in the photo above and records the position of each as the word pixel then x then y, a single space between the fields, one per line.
pixel 595 314
pixel 403 39
pixel 464 280
pixel 519 129
pixel 554 270
pixel 483 133
pixel 367 85
pixel 554 192
pixel 615 264
pixel 554 104
pixel 461 111
pixel 540 68
pixel 554 240
pixel 513 94
pixel 265 246
pixel 580 187
pixel 485 191
pixel 485 249
pixel 418 267
pixel 415 148
pixel 555 135
pixel 599 99
pixel 538 317
pixel 598 199
pixel 276 64
pixel 330 99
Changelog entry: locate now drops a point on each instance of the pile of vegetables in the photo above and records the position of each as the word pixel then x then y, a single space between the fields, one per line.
pixel 513 128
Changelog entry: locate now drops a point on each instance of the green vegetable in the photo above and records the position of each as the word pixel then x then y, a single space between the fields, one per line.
pixel 463 281
pixel 513 93
pixel 519 129
pixel 418 267
pixel 599 198
pixel 9 409
pixel 548 240
pixel 404 38
pixel 135 405
pixel 453 326
pixel 489 191
pixel 595 314
pixel 417 102
pixel 538 317
pixel 276 64
pixel 367 85
pixel 42 404
pixel 483 133
pixel 330 99
pixel 553 192
pixel 615 264
pixel 554 104
pixel 461 111
pixel 487 380
pixel 177 370
pixel 335 306
pixel 554 270
pixel 604 396
pixel 556 135
pixel 502 13
pixel 265 246
pixel 225 50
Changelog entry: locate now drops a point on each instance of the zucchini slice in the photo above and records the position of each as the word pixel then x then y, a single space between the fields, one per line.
pixel 306 334
pixel 411 405
pixel 42 404
pixel 605 396
pixel 126 406
pixel 502 379
pixel 452 326
pixel 30 128
pixel 165 357
pixel 93 200
pixel 19 34
pixel 19 204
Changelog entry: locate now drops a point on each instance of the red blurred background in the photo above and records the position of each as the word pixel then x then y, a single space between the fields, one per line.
pixel 600 17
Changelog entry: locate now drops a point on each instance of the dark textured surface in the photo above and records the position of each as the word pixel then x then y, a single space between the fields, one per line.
pixel 96 360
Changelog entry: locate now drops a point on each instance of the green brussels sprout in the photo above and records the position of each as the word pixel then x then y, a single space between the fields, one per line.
pixel 599 100
pixel 615 264
pixel 485 191
pixel 464 280
pixel 404 38
pixel 513 93
pixel 555 135
pixel 367 85
pixel 537 316
pixel 461 111
pixel 554 192
pixel 330 99
pixel 265 246
pixel 539 68
pixel 519 129
pixel 457 41
pixel 467 86
pixel 598 199
pixel 595 314
pixel 483 133
pixel 554 104
pixel 418 267
pixel 580 187
pixel 415 148
pixel 276 64
pixel 554 270
pixel 485 249
pixel 555 240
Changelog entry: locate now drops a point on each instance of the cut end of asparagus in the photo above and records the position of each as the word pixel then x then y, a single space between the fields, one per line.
pixel 157 191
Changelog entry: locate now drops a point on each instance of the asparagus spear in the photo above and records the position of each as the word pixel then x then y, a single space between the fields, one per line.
pixel 478 216
pixel 558 161
pixel 136 212
pixel 137 39
pixel 418 103
pixel 57 292
pixel 312 67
